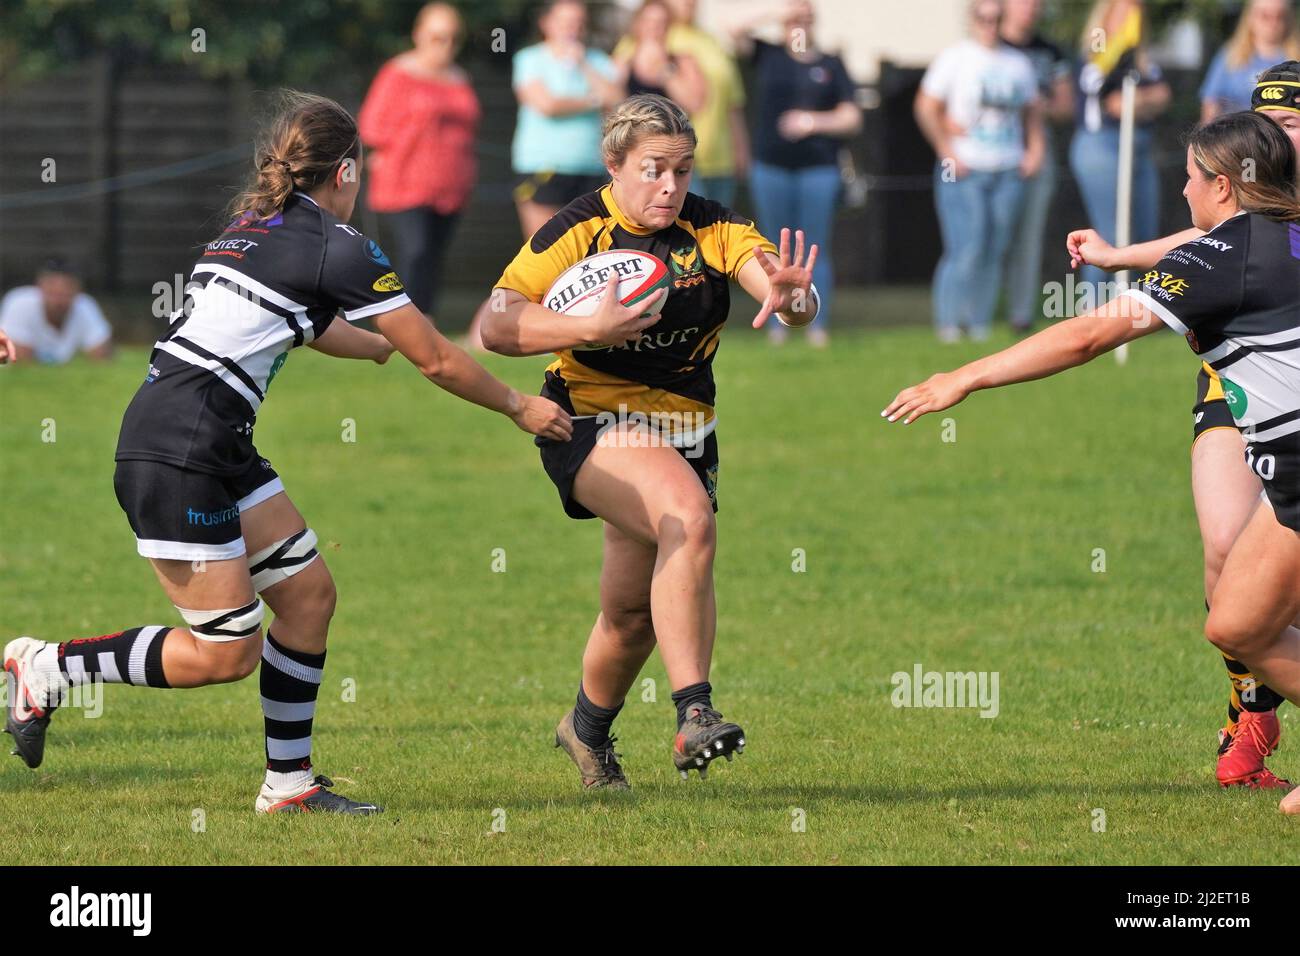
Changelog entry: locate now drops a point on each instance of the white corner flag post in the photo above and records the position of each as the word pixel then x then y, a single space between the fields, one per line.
pixel 1124 184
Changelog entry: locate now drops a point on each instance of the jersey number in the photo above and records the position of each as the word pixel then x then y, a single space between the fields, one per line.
pixel 1265 465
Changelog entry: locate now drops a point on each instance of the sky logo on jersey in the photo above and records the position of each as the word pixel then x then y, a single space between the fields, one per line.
pixel 1212 243
pixel 388 282
pixel 1163 285
pixel 375 254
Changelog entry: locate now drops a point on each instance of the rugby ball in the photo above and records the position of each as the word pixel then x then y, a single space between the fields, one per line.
pixel 579 288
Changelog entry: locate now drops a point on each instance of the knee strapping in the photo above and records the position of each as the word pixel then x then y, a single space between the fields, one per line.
pixel 282 560
pixel 233 624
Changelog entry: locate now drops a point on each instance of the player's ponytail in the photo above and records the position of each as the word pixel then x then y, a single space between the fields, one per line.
pixel 1256 157
pixel 645 114
pixel 301 148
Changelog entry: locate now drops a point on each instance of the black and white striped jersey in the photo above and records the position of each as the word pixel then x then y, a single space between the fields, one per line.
pixel 260 289
pixel 1234 294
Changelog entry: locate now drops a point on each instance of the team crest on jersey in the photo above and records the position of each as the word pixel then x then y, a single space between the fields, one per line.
pixel 388 282
pixel 375 254
pixel 686 266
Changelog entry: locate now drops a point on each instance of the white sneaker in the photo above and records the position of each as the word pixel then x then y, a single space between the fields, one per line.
pixel 27 707
pixel 776 332
pixel 948 335
pixel 819 338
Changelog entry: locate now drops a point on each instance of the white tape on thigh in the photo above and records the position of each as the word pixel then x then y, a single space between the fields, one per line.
pixel 234 624
pixel 282 560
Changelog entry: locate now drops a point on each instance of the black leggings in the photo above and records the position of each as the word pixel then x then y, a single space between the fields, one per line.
pixel 422 237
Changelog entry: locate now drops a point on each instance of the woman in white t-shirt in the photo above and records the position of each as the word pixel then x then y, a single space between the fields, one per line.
pixel 979 107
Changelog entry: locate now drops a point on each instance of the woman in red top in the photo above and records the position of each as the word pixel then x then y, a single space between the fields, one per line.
pixel 420 120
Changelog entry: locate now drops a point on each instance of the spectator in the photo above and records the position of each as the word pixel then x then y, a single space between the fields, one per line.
pixel 646 65
pixel 979 107
pixel 722 147
pixel 806 111
pixel 722 152
pixel 420 119
pixel 1024 268
pixel 53 320
pixel 562 87
pixel 1114 44
pixel 1266 33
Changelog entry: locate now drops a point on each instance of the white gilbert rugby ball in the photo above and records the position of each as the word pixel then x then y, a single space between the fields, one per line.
pixel 580 287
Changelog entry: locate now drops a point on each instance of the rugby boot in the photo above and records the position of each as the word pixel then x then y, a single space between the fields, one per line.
pixel 599 766
pixel 1241 754
pixel 316 797
pixel 704 737
pixel 28 700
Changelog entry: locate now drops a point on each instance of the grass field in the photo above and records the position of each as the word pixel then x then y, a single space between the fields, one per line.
pixel 972 555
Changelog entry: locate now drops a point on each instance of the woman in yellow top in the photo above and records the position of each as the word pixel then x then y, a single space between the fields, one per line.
pixel 644 454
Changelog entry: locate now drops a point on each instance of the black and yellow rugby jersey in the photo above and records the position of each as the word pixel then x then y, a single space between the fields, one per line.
pixel 670 368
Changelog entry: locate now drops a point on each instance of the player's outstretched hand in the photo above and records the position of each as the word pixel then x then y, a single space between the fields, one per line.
pixel 1087 247
pixel 542 417
pixel 7 351
pixel 939 391
pixel 786 277
pixel 614 324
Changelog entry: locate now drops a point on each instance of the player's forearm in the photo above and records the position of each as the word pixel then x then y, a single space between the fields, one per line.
pixel 1055 349
pixel 455 372
pixel 341 339
pixel 526 328
pixel 1145 255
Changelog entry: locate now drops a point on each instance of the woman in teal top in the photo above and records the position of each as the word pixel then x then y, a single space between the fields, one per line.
pixel 562 87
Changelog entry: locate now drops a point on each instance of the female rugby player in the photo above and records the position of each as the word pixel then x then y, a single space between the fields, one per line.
pixel 208 511
pixel 1233 293
pixel 655 487
pixel 1225 491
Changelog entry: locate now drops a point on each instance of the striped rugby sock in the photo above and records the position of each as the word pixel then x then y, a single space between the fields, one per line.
pixel 1247 693
pixel 133 656
pixel 290 680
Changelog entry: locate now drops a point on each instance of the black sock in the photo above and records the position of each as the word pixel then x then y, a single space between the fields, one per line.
pixel 290 681
pixel 696 695
pixel 591 722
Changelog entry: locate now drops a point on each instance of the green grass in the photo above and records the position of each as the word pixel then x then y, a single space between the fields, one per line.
pixel 966 555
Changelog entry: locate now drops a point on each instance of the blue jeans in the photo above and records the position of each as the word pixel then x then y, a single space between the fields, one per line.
pixel 1094 160
pixel 1024 267
pixel 718 188
pixel 976 216
pixel 800 199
